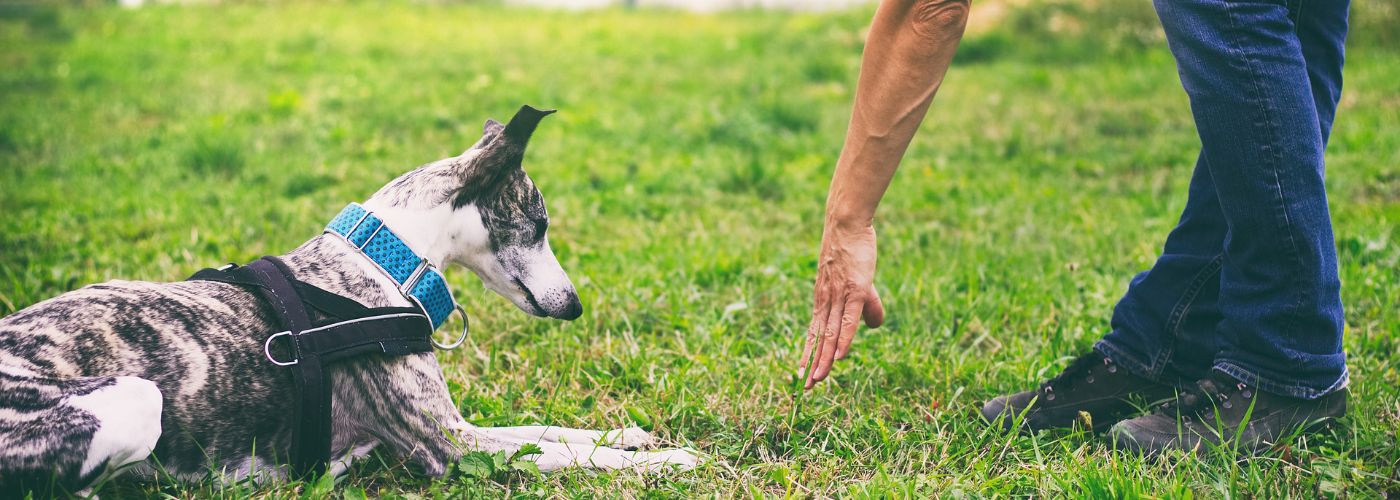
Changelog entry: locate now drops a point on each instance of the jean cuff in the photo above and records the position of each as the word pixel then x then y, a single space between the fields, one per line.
pixel 1135 365
pixel 1235 370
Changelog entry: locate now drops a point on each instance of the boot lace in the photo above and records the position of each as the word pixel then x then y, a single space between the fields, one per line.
pixel 1081 369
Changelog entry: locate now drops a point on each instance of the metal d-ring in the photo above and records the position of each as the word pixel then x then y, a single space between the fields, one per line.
pixel 466 326
pixel 267 350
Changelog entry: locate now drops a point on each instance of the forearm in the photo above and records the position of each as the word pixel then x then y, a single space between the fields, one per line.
pixel 910 45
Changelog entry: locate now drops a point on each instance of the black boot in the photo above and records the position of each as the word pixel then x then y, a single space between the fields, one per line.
pixel 1214 412
pixel 1092 384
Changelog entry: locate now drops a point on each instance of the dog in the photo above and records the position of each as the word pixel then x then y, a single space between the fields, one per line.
pixel 173 377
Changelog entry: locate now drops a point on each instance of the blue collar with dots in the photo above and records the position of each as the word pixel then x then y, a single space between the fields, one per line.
pixel 417 279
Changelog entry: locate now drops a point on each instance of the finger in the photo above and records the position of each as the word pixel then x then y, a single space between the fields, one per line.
pixel 814 329
pixel 850 323
pixel 819 345
pixel 827 348
pixel 874 309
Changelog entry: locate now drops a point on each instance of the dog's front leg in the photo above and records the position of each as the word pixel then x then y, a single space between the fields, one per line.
pixel 402 404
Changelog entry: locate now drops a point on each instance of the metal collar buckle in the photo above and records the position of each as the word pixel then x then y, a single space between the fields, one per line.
pixel 407 287
pixel 415 276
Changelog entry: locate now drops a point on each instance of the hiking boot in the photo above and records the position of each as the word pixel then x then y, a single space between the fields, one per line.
pixel 1092 384
pixel 1221 409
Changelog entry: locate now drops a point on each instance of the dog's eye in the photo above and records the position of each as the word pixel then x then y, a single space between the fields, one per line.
pixel 540 226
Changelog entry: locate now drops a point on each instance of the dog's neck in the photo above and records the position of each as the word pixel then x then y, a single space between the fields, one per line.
pixel 428 232
pixel 333 264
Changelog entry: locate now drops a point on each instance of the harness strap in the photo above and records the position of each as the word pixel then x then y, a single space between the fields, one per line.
pixel 391 334
pixel 311 417
pixel 353 330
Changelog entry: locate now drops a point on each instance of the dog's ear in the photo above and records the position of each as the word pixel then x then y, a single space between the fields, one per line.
pixel 502 151
pixel 491 129
pixel 489 132
pixel 523 124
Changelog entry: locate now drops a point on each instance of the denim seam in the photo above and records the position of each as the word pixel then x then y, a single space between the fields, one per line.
pixel 1188 298
pixel 1237 370
pixel 1274 156
pixel 1160 361
pixel 1178 314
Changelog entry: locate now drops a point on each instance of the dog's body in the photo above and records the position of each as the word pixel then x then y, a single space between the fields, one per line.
pixel 102 376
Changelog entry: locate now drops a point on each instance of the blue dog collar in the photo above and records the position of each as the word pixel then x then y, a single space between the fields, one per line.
pixel 417 278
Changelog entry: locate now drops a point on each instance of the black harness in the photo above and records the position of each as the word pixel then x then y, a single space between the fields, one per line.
pixel 341 329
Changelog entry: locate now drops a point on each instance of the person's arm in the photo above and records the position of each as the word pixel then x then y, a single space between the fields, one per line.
pixel 907 52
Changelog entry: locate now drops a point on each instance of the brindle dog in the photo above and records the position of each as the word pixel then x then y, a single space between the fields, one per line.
pixel 173 375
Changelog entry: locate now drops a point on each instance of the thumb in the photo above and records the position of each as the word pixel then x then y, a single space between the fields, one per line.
pixel 874 312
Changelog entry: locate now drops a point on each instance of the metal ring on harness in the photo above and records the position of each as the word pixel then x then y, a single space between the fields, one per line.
pixel 267 350
pixel 466 326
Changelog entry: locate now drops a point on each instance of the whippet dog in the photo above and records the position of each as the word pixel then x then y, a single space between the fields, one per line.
pixel 174 377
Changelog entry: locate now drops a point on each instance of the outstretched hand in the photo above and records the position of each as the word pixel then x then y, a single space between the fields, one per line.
pixel 845 292
pixel 907 51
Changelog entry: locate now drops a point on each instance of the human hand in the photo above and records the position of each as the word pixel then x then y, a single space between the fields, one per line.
pixel 844 292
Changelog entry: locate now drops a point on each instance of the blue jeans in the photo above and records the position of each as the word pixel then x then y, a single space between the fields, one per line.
pixel 1247 281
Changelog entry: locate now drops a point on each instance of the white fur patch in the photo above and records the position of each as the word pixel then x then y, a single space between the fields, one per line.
pixel 128 415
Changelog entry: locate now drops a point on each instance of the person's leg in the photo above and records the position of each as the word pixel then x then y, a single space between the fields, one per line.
pixel 1163 331
pixel 1263 79
pixel 1243 67
pixel 1164 328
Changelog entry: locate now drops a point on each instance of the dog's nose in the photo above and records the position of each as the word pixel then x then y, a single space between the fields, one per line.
pixel 572 310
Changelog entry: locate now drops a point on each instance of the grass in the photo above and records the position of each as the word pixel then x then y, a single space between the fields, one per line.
pixel 685 175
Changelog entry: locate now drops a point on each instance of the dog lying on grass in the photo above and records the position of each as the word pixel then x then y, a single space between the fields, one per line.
pixel 173 376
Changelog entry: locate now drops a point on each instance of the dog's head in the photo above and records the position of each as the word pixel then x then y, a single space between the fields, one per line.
pixel 481 210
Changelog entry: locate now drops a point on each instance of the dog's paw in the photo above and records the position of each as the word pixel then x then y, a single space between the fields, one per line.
pixel 676 459
pixel 631 438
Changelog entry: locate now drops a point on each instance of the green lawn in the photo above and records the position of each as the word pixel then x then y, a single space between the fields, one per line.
pixel 685 176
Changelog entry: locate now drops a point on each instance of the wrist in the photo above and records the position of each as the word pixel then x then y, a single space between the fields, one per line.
pixel 845 219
